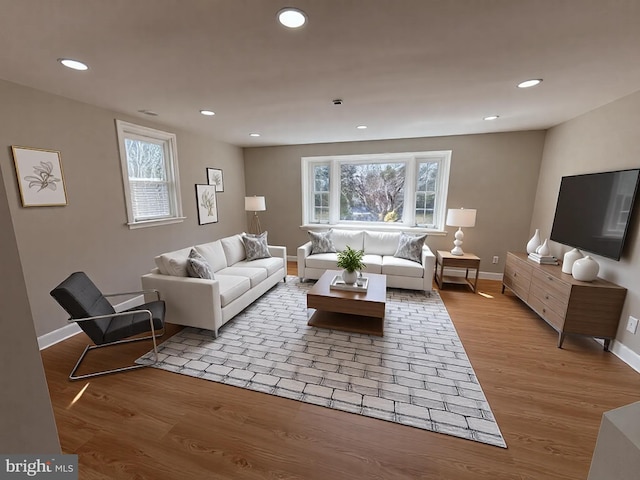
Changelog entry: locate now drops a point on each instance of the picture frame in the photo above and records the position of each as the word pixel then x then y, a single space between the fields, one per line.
pixel 214 177
pixel 40 177
pixel 207 204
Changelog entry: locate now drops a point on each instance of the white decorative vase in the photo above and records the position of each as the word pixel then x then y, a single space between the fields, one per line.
pixel 349 277
pixel 543 250
pixel 585 269
pixel 534 242
pixel 569 258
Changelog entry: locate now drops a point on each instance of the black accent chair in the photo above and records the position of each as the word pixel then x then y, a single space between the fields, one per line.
pixel 90 308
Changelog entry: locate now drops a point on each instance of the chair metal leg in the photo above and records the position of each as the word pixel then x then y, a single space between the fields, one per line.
pixel 72 375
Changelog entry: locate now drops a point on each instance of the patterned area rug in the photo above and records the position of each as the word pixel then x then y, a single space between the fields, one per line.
pixel 418 374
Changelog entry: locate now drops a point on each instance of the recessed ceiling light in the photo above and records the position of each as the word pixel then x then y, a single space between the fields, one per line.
pixel 530 83
pixel 74 64
pixel 361 127
pixel 292 17
pixel 254 134
pixel 208 113
pixel 491 117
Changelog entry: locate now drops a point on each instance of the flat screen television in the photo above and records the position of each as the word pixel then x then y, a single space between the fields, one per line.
pixel 594 211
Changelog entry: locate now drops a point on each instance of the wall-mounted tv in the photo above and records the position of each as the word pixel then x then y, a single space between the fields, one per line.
pixel 594 211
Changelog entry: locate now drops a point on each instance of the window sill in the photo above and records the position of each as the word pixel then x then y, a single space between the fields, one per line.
pixel 374 228
pixel 155 223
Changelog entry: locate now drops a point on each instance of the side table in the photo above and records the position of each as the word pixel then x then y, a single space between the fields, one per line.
pixel 468 261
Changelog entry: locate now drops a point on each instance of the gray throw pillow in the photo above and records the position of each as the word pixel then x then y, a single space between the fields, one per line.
pixel 410 247
pixel 321 242
pixel 255 246
pixel 198 267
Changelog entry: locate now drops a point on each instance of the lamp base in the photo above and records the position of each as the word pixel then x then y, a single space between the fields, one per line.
pixel 255 227
pixel 457 249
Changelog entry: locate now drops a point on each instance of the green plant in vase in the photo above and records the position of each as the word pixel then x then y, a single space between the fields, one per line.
pixel 351 261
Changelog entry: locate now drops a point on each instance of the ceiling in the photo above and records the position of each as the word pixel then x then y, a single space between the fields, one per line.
pixel 404 68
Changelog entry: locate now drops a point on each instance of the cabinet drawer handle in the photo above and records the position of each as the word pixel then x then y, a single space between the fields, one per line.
pixel 544 310
pixel 546 297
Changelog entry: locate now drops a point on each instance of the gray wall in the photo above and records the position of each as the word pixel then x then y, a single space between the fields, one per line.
pixel 26 417
pixel 494 173
pixel 601 140
pixel 90 233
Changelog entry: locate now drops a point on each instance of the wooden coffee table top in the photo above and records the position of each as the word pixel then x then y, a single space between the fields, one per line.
pixel 376 291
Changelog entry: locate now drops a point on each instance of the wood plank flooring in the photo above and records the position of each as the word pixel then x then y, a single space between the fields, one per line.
pixel 152 424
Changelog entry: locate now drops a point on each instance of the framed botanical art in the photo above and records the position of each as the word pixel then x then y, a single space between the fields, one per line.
pixel 40 177
pixel 207 204
pixel 214 177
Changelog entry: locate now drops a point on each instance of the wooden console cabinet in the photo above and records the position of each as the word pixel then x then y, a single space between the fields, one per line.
pixel 568 305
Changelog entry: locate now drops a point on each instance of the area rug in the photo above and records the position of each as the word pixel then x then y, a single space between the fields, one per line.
pixel 418 374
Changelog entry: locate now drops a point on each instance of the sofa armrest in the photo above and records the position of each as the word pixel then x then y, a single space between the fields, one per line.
pixel 190 301
pixel 429 265
pixel 303 252
pixel 279 252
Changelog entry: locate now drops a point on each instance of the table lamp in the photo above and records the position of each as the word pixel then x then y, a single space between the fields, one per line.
pixel 255 204
pixel 460 217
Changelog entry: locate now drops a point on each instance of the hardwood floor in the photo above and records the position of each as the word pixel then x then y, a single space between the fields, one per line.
pixel 152 424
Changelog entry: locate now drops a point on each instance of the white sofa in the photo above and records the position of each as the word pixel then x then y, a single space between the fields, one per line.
pixel 379 249
pixel 209 304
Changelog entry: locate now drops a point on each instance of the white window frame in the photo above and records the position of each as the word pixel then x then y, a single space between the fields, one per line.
pixel 127 130
pixel 411 160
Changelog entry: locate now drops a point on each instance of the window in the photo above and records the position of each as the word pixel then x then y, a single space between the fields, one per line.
pixel 150 175
pixel 407 189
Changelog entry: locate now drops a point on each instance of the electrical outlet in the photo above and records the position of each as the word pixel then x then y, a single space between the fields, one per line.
pixel 496 259
pixel 632 324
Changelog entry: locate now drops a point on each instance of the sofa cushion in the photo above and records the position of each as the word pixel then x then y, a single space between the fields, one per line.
pixel 271 264
pixel 173 263
pixel 197 266
pixel 373 263
pixel 255 275
pixel 410 247
pixel 342 238
pixel 232 287
pixel 255 246
pixel 213 254
pixel 381 243
pixel 321 242
pixel 401 267
pixel 233 249
pixel 328 261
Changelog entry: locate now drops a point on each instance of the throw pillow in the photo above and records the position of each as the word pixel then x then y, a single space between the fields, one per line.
pixel 198 267
pixel 410 247
pixel 255 246
pixel 321 242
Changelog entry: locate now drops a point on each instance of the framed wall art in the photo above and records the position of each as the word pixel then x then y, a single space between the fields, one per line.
pixel 207 204
pixel 214 177
pixel 40 177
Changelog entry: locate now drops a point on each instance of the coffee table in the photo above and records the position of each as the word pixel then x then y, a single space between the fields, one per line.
pixel 360 312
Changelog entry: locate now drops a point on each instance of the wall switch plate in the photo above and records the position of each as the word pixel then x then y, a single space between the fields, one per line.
pixel 496 259
pixel 632 324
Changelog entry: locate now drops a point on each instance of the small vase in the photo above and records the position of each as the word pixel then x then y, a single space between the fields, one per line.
pixel 568 260
pixel 543 250
pixel 349 277
pixel 585 269
pixel 534 242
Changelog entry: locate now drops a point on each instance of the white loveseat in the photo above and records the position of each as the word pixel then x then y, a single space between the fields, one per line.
pixel 209 304
pixel 379 249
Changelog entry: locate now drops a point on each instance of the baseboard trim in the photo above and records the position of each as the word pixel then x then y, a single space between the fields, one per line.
pixel 625 354
pixel 68 331
pixel 51 338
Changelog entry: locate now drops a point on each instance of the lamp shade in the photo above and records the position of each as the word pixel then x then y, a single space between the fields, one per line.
pixel 461 217
pixel 255 204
